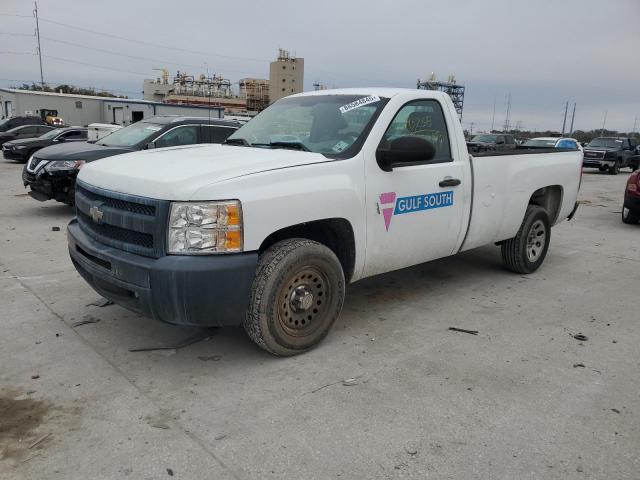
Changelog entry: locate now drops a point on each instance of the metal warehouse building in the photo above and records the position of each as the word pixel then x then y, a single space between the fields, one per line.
pixel 81 110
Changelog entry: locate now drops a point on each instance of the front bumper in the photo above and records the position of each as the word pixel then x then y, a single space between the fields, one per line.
pixel 597 163
pixel 44 186
pixel 205 290
pixel 15 154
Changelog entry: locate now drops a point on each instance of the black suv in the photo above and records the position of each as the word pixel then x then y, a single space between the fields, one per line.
pixel 51 173
pixel 610 154
pixel 13 122
pixel 22 149
pixel 491 142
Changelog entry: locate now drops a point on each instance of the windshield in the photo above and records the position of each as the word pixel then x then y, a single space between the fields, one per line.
pixel 540 143
pixel 485 138
pixel 131 135
pixel 605 143
pixel 333 125
pixel 51 134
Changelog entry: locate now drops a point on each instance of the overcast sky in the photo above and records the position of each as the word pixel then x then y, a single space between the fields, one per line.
pixel 543 52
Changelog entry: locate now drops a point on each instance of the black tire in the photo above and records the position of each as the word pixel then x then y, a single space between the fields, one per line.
pixel 615 169
pixel 629 217
pixel 525 252
pixel 296 297
pixel 602 169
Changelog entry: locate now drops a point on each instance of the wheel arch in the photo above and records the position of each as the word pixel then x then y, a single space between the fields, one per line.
pixel 549 198
pixel 335 233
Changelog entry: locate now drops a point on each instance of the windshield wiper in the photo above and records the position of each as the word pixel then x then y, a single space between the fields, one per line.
pixel 292 145
pixel 236 141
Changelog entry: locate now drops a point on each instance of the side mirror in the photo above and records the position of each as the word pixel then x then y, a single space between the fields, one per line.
pixel 500 142
pixel 60 139
pixel 150 145
pixel 405 151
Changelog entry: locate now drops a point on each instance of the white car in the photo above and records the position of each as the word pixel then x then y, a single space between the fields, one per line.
pixel 321 189
pixel 553 142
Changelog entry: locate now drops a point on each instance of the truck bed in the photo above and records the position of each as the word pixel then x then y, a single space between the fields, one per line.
pixel 507 183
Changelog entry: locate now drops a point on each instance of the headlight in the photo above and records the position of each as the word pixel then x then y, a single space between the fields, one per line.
pixel 197 228
pixel 60 165
pixel 20 147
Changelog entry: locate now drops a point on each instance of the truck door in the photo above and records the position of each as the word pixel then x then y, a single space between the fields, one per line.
pixel 415 211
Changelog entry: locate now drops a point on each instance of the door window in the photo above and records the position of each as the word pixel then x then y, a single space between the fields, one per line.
pixel 28 130
pixel 423 119
pixel 211 134
pixel 185 135
pixel 74 135
pixel 566 144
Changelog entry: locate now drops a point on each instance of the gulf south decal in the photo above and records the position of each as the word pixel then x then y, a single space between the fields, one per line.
pixel 391 205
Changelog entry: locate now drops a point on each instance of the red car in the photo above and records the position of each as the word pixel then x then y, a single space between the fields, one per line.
pixel 631 206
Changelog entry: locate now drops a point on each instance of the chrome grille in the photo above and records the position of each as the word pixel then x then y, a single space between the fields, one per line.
pixel 127 222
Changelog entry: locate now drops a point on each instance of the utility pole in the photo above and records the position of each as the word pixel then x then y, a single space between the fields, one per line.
pixel 635 124
pixel 573 116
pixel 493 117
pixel 564 122
pixel 507 119
pixel 35 13
pixel 604 122
pixel 471 129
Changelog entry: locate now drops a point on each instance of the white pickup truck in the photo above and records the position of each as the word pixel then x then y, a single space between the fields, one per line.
pixel 319 190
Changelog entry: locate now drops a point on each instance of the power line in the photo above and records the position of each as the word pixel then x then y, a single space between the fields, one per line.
pixel 141 42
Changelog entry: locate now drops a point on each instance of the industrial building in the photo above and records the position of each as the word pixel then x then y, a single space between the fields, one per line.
pixel 286 76
pixel 256 93
pixel 85 109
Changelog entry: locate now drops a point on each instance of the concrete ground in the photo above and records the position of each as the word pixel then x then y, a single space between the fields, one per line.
pixel 522 399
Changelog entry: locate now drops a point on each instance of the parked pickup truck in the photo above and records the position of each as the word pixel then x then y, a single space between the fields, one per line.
pixel 610 154
pixel 319 190
pixel 491 142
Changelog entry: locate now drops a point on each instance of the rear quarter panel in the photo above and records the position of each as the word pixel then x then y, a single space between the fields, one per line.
pixel 504 184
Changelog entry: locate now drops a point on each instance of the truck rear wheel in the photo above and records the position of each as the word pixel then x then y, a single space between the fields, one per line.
pixel 296 297
pixel 525 252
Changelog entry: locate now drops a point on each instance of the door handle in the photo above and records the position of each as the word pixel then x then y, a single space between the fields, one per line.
pixel 449 182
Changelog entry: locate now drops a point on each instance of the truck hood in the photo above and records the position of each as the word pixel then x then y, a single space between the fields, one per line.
pixel 177 173
pixel 79 151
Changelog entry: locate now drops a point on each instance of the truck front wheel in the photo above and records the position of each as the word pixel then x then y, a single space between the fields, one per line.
pixel 296 297
pixel 615 168
pixel 525 252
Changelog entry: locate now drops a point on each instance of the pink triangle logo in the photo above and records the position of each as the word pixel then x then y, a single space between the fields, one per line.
pixel 388 202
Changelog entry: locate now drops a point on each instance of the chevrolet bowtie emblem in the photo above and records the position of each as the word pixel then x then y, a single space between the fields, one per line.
pixel 96 214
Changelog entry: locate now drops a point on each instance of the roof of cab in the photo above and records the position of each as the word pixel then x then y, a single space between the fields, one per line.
pixel 385 92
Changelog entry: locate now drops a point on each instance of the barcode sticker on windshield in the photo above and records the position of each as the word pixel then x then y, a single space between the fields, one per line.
pixel 359 103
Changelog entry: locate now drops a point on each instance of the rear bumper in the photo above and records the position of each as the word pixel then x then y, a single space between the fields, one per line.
pixel 573 212
pixel 206 290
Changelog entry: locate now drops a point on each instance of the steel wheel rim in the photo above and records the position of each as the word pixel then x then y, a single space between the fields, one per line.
pixel 303 302
pixel 536 240
pixel 625 212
